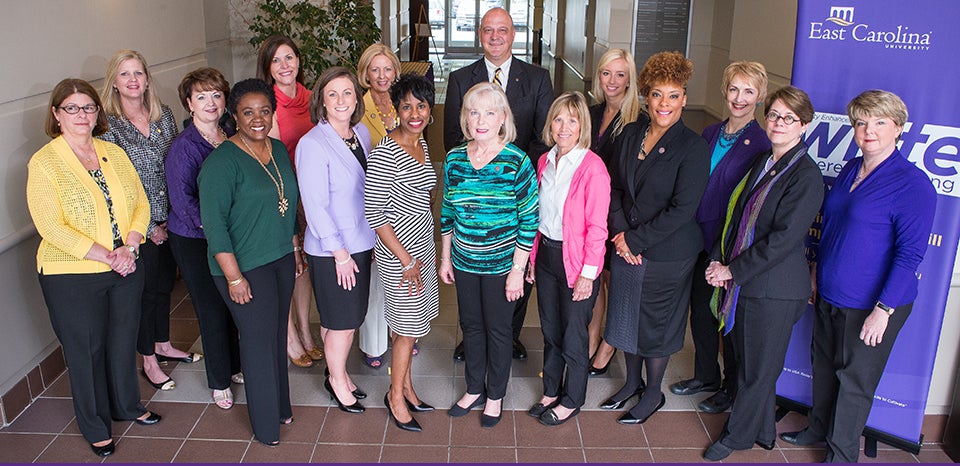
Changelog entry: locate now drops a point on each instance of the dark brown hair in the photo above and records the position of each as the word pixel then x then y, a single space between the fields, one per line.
pixel 67 88
pixel 202 79
pixel 795 99
pixel 265 57
pixel 317 112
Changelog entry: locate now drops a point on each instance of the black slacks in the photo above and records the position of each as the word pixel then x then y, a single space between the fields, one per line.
pixel 761 335
pixel 846 373
pixel 160 272
pixel 221 350
pixel 262 323
pixel 95 317
pixel 564 325
pixel 485 320
pixel 706 337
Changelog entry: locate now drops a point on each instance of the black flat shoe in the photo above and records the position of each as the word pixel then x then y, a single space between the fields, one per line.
pixel 150 420
pixel 355 408
pixel 766 446
pixel 610 403
pixel 412 425
pixel 799 438
pixel 459 411
pixel 717 451
pixel 628 418
pixel 602 370
pixel 105 450
pixel 168 384
pixel 691 386
pixel 717 403
pixel 549 417
pixel 490 421
pixel 458 353
pixel 189 359
pixel 421 408
pixel 538 409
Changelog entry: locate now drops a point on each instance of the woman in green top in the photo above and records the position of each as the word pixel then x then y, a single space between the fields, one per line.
pixel 248 199
pixel 488 222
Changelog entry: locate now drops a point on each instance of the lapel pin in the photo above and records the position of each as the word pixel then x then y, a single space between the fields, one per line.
pixel 773 173
pixel 661 150
pixel 746 142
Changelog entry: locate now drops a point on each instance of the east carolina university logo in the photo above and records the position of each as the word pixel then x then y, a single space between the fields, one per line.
pixel 892 37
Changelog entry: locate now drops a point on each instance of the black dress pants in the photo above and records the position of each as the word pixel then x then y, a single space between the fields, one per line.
pixel 485 320
pixel 221 350
pixel 846 373
pixel 262 323
pixel 160 272
pixel 706 337
pixel 95 317
pixel 761 335
pixel 564 325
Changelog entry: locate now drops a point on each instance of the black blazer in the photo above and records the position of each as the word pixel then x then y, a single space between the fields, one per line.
pixel 655 204
pixel 775 265
pixel 529 92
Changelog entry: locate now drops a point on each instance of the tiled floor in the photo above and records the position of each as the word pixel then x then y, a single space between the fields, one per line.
pixel 195 430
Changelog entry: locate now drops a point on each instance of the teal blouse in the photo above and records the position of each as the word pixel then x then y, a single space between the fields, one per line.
pixel 239 206
pixel 490 211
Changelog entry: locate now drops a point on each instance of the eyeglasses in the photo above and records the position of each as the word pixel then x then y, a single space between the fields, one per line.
pixel 73 109
pixel 788 120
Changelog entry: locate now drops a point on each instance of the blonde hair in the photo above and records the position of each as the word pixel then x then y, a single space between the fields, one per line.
pixel 575 104
pixel 110 94
pixel 490 94
pixel 878 103
pixel 630 105
pixel 367 57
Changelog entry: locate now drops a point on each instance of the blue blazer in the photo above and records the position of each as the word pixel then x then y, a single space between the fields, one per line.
pixel 331 187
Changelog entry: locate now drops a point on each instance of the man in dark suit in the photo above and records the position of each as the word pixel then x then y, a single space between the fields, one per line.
pixel 530 94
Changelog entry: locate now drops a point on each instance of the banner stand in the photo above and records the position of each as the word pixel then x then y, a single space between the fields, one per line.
pixel 870 435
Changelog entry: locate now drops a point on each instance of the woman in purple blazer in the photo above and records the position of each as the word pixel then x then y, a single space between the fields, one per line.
pixel 331 165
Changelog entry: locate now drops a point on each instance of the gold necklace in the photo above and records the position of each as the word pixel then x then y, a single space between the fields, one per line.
pixel 213 142
pixel 352 141
pixel 282 204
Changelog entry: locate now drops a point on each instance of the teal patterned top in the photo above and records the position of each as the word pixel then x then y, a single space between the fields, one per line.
pixel 490 211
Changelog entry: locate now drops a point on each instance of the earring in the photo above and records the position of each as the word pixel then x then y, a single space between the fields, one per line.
pixel 191 114
pixel 759 104
pixel 430 122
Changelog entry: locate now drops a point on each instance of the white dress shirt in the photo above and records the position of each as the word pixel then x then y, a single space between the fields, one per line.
pixel 554 187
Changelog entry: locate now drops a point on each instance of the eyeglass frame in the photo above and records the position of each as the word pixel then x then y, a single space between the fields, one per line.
pixel 776 116
pixel 96 108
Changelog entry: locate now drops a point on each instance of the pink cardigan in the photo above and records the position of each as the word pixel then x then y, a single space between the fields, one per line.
pixel 584 216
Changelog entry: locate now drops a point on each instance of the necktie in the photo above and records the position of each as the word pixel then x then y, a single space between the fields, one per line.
pixel 496 77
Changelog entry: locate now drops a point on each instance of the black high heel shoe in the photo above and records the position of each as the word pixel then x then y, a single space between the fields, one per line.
pixel 610 403
pixel 356 407
pixel 357 393
pixel 421 408
pixel 412 425
pixel 628 418
pixel 105 450
pixel 602 370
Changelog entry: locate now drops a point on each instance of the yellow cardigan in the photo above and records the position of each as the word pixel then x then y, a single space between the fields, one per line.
pixel 69 209
pixel 371 119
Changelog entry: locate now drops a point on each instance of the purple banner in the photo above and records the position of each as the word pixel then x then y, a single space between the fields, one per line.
pixel 842 49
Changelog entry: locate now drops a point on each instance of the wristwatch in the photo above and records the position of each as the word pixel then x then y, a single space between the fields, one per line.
pixel 889 310
pixel 133 250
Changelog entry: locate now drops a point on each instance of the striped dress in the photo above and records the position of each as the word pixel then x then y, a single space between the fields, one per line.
pixel 397 192
pixel 490 211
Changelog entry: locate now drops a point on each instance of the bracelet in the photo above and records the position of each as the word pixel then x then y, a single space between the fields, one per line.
pixel 233 283
pixel 297 249
pixel 519 267
pixel 410 266
pixel 344 262
pixel 444 259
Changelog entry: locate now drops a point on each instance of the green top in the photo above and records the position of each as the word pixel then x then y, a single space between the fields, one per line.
pixel 239 206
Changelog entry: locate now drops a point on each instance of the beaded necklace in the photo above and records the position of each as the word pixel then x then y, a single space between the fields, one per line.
pixel 283 204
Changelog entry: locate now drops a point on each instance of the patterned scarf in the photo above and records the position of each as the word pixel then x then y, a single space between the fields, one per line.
pixel 722 304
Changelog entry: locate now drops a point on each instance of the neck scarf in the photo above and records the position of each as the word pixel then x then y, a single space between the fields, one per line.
pixel 724 305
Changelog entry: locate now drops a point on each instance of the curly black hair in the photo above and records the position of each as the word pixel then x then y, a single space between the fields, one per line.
pixel 412 83
pixel 248 86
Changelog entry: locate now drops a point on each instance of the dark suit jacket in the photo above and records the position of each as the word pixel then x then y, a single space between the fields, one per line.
pixel 655 203
pixel 529 92
pixel 775 266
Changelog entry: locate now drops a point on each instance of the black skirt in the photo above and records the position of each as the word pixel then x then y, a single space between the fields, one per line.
pixel 340 309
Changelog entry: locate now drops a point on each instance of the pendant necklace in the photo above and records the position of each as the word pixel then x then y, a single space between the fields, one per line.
pixel 282 204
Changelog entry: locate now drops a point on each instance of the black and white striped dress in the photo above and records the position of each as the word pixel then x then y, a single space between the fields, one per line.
pixel 398 192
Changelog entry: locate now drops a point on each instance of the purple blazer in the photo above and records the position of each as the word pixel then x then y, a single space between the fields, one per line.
pixel 331 184
pixel 731 169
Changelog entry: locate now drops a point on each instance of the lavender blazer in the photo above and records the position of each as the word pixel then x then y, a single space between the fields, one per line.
pixel 731 169
pixel 331 187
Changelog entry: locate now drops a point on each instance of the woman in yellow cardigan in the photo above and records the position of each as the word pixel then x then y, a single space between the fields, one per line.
pixel 91 211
